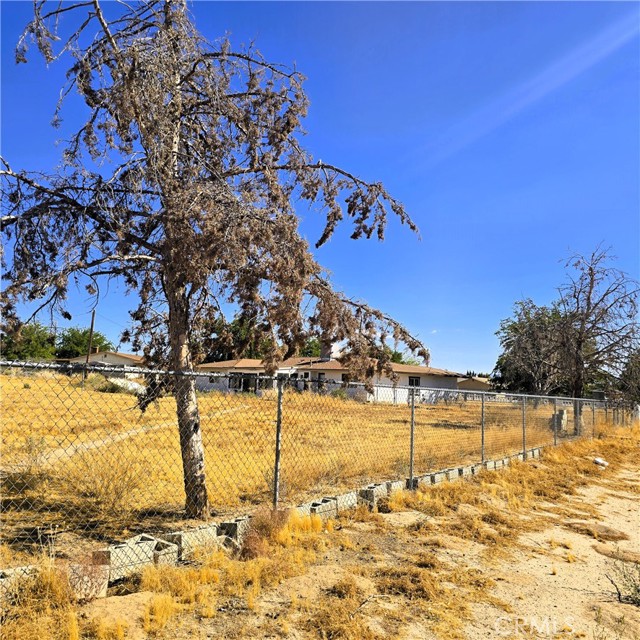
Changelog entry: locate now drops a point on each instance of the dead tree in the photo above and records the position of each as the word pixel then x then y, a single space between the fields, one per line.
pixel 182 183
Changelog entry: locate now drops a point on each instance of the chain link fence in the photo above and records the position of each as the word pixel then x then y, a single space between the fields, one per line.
pixel 92 454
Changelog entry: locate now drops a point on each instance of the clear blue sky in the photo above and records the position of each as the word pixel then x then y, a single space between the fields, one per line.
pixel 511 132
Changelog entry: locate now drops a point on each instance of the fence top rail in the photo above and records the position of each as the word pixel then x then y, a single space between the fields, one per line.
pixel 78 367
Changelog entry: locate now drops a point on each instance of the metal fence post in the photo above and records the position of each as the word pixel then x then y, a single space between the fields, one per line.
pixel 555 422
pixel 412 442
pixel 482 433
pixel 524 427
pixel 276 470
pixel 593 419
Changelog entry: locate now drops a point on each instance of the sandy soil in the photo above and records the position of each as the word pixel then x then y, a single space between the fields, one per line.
pixel 551 584
pixel 563 590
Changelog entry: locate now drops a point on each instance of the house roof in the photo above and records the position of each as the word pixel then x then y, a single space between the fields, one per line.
pixel 334 365
pixel 239 363
pixel 315 364
pixel 129 356
pixel 300 361
pixel 475 379
pixel 427 371
pixel 254 363
pixel 324 365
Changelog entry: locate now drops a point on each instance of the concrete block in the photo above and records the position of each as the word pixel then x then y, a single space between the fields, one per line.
pixel 490 465
pixel 9 578
pixel 418 481
pixel 165 553
pixel 465 472
pixel 304 509
pixel 451 474
pixel 88 581
pixel 345 501
pixel 235 529
pixel 559 421
pixel 438 477
pixel 518 456
pixel 395 485
pixel 190 539
pixel 506 461
pixel 498 464
pixel 535 453
pixel 128 557
pixel 476 469
pixel 373 492
pixel 325 508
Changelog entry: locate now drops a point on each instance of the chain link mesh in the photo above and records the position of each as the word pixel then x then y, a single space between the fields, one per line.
pixel 82 462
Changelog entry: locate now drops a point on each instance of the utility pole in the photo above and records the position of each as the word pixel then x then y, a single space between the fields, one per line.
pixel 86 362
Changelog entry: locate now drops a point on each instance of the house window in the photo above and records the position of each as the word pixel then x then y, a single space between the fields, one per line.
pixel 414 381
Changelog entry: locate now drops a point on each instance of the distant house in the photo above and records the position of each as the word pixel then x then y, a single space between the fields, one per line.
pixel 243 374
pixel 326 375
pixel 385 389
pixel 111 359
pixel 474 384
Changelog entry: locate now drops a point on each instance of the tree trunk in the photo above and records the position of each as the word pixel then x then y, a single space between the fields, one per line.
pixel 191 445
pixel 578 392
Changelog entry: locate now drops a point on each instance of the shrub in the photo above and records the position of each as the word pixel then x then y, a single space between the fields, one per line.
pixel 626 581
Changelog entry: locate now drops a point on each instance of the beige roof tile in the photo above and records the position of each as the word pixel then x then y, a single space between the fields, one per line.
pixel 240 363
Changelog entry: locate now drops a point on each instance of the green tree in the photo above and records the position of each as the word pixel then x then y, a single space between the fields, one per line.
pixel 240 338
pixel 31 341
pixel 74 342
pixel 401 357
pixel 311 348
pixel 630 379
pixel 182 182
pixel 529 362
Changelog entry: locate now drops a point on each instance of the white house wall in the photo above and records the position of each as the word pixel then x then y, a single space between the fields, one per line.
pixel 109 359
pixel 105 358
pixel 220 379
pixel 208 382
pixel 383 391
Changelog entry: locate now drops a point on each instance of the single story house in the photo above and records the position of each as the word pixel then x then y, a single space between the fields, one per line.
pixel 243 374
pixel 111 359
pixel 326 375
pixel 332 372
pixel 474 384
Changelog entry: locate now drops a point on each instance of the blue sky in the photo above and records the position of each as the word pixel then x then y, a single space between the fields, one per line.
pixel 511 132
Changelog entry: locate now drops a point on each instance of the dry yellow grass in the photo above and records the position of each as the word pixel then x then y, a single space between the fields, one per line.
pixel 470 509
pixel 491 509
pixel 93 460
pixel 40 606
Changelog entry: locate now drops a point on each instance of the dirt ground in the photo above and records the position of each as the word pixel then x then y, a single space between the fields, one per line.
pixel 412 575
pixel 557 581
